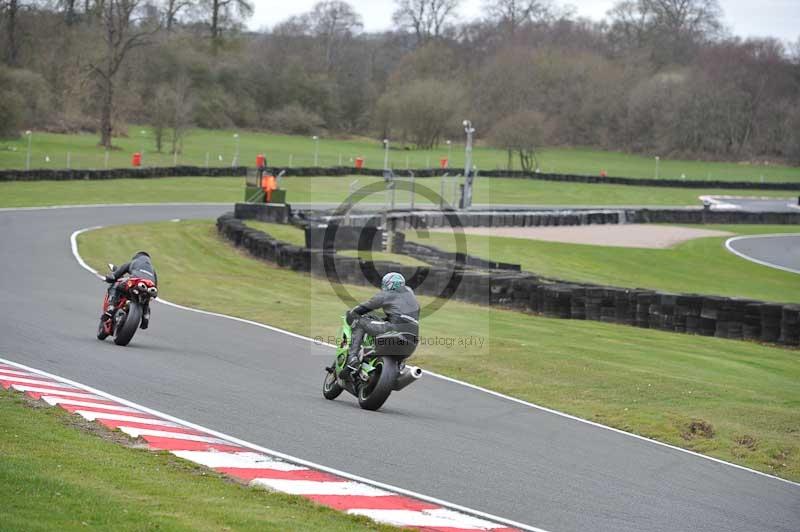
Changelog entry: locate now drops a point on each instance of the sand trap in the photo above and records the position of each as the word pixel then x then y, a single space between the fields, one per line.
pixel 626 235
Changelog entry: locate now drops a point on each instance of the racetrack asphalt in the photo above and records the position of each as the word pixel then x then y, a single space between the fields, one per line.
pixel 776 251
pixel 437 437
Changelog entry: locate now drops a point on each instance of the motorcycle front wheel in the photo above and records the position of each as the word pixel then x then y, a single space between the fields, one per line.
pixel 101 330
pixel 330 388
pixel 373 393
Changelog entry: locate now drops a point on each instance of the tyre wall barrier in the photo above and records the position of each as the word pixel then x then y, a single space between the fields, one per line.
pixel 121 173
pixel 264 212
pixel 723 317
pixel 189 171
pixel 406 220
pixel 569 178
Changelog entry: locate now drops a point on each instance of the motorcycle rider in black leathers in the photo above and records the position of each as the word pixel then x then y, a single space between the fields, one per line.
pixel 402 314
pixel 139 266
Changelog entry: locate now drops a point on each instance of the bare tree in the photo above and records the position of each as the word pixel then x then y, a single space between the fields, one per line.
pixel 334 21
pixel 521 133
pixel 421 110
pixel 122 32
pixel 514 13
pixel 426 18
pixel 171 11
pixel 10 9
pixel 670 28
pixel 222 10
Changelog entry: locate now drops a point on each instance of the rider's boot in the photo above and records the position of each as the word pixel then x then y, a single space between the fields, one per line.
pixel 353 364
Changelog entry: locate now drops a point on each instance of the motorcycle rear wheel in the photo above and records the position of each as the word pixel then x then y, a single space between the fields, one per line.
pixel 373 393
pixel 125 331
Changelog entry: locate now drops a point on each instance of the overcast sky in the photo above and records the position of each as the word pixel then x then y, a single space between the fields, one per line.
pixel 746 18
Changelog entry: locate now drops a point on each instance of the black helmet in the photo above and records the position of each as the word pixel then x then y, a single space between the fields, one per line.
pixel 142 253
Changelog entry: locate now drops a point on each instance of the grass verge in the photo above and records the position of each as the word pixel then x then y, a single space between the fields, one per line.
pixel 217 148
pixel 734 400
pixel 54 477
pixel 672 269
pixel 335 190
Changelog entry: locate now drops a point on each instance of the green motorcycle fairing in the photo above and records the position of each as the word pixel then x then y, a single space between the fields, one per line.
pixel 368 364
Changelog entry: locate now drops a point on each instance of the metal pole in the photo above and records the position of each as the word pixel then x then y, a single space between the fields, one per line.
pixel 466 200
pixel 28 157
pixel 412 190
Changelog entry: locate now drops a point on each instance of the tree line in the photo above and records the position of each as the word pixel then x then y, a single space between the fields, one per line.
pixel 655 76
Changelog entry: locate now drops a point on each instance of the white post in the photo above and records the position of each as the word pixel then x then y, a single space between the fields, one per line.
pixel 340 160
pixel 657 161
pixel 236 154
pixel 207 155
pixel 449 152
pixel 175 158
pixel 316 151
pixel 290 160
pixel 69 161
pixel 407 167
pixel 106 159
pixel 29 133
pixel 385 154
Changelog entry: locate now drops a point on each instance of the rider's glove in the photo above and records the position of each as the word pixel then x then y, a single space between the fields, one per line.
pixel 351 317
pixel 110 279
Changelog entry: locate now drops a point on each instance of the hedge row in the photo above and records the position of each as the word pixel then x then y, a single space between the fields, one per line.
pixel 120 173
pixel 685 313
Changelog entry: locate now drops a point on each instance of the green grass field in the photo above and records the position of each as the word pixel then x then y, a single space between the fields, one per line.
pixel 650 382
pixel 219 148
pixel 60 473
pixel 672 269
pixel 335 190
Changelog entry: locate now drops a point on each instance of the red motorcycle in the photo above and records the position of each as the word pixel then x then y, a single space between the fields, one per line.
pixel 131 311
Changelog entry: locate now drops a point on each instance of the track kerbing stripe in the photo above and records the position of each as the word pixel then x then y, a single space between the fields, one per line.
pixel 257 466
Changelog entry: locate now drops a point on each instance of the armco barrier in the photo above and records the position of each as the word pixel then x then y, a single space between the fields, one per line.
pixel 723 317
pixel 121 173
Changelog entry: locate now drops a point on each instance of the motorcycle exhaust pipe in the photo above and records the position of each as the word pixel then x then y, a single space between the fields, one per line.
pixel 409 375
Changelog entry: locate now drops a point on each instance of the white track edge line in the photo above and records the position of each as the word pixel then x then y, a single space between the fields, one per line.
pixel 759 261
pixel 112 205
pixel 283 456
pixel 73 240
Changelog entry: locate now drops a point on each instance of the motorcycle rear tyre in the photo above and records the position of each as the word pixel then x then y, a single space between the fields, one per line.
pixel 125 331
pixel 373 397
